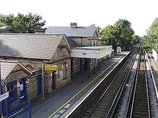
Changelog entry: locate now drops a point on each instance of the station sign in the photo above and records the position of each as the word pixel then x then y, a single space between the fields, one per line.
pixel 51 68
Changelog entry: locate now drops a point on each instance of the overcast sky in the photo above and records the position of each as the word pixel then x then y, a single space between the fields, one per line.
pixel 140 13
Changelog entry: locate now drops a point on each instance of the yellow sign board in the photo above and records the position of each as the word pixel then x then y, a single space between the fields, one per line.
pixel 84 53
pixel 51 68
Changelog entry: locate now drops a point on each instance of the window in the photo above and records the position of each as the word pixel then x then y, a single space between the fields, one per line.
pixel 65 68
pixel 12 88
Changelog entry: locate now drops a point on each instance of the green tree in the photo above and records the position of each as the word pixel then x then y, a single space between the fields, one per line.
pixel 124 33
pixel 135 40
pixel 23 23
pixel 34 22
pixel 151 39
pixel 18 24
pixel 120 34
pixel 107 34
pixel 2 24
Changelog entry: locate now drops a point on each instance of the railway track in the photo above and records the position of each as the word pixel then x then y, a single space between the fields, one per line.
pixel 122 94
pixel 135 104
pixel 120 109
pixel 108 104
pixel 101 105
pixel 140 105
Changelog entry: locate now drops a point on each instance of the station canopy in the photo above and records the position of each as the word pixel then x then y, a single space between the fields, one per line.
pixel 91 52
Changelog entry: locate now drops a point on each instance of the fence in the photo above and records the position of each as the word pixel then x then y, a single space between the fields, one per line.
pixel 23 112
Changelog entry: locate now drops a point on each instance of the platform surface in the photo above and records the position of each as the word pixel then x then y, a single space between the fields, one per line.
pixel 56 103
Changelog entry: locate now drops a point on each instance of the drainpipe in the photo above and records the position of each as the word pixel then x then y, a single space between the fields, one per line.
pixel 43 81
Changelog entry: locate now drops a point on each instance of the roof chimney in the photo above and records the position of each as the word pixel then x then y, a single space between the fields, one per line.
pixel 73 25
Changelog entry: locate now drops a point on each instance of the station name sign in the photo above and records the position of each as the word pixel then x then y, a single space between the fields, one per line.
pixel 51 68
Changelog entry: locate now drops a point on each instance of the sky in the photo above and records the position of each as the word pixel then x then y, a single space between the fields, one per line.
pixel 140 13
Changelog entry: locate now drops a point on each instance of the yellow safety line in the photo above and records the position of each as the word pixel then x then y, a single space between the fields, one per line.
pixel 76 94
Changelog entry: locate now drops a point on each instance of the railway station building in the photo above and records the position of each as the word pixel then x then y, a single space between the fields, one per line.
pixel 36 64
pixel 86 46
pixel 24 58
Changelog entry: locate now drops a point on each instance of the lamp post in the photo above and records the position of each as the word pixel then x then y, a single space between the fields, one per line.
pixel 112 42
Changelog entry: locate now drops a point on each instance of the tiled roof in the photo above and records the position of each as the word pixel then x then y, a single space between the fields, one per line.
pixel 8 66
pixel 72 32
pixel 71 42
pixel 6 69
pixel 35 46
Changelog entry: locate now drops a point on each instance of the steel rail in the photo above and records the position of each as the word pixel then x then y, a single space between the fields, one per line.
pixel 115 104
pixel 137 96
pixel 120 108
pixel 99 99
pixel 72 111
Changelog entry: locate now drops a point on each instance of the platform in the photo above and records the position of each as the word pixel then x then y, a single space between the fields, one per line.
pixel 154 66
pixel 59 101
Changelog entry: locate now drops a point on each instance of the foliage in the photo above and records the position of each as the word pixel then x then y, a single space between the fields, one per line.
pixel 120 34
pixel 136 39
pixel 151 39
pixel 107 33
pixel 23 23
pixel 125 33
pixel 2 24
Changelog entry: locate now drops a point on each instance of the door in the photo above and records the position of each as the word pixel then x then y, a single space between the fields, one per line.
pixel 39 79
pixel 53 81
pixel 22 90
